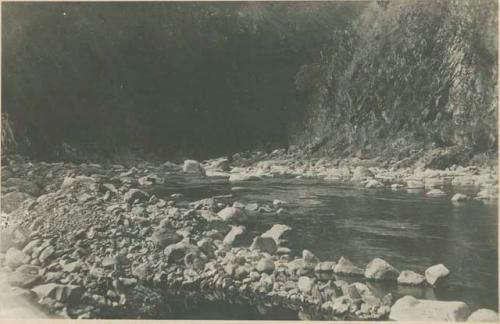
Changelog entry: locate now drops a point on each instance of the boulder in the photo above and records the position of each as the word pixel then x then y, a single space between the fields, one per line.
pixel 236 177
pixel 345 266
pixel 436 274
pixel 135 194
pixel 13 200
pixel 62 293
pixel 435 193
pixel 459 197
pixel 277 232
pixel 374 184
pixel 232 214
pixel 25 276
pixel 310 259
pixel 235 235
pixel 265 265
pixel 192 166
pixel 264 244
pixel 305 284
pixel 221 165
pixel 162 237
pixel 14 258
pixel 326 266
pixel 176 252
pixel 408 277
pixel 483 315
pixel 379 269
pixel 46 253
pixel 361 172
pixel 409 308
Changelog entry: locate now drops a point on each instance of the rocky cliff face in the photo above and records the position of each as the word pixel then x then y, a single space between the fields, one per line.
pixel 408 78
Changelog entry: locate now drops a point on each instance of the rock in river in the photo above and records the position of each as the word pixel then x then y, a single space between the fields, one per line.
pixel 483 315
pixel 305 284
pixel 409 308
pixel 232 214
pixel 408 277
pixel 459 197
pixel 379 269
pixel 264 244
pixel 265 265
pixel 235 235
pixel 345 266
pixel 277 232
pixel 435 193
pixel 192 166
pixel 436 274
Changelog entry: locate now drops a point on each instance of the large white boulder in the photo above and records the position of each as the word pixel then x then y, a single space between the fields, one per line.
pixel 192 166
pixel 483 315
pixel 436 274
pixel 409 308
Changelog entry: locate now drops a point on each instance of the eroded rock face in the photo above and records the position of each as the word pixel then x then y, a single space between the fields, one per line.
pixel 379 269
pixel 409 308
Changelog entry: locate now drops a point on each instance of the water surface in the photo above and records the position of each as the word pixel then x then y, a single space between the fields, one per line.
pixel 408 230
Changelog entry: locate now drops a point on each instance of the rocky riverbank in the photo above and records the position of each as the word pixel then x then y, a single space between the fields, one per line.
pixel 92 241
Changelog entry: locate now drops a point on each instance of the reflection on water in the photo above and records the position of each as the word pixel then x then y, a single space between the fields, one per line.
pixel 410 231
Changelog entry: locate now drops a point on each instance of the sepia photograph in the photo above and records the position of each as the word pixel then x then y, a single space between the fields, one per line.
pixel 249 160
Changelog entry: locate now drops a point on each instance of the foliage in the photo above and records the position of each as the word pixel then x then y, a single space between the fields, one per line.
pixel 410 72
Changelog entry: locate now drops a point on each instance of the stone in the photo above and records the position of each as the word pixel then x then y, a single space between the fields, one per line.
pixel 74 266
pixel 135 194
pixel 265 265
pixel 25 276
pixel 408 277
pixel 374 184
pixel 62 293
pixel 409 308
pixel 221 165
pixel 379 269
pixel 192 166
pixel 277 232
pixel 232 214
pixel 345 266
pixel 176 252
pixel 253 207
pixel 310 259
pixel 46 253
pixel 436 274
pixel 459 197
pixel 435 193
pixel 264 244
pixel 13 200
pixel 305 284
pixel 85 197
pixel 162 237
pixel 15 258
pixel 483 315
pixel 279 203
pixel 361 172
pixel 352 292
pixel 326 266
pixel 235 235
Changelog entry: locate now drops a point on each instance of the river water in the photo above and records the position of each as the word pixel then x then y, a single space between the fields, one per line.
pixel 408 230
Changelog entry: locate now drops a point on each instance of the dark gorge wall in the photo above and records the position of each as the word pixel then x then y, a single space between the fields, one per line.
pixel 409 77
pixel 167 79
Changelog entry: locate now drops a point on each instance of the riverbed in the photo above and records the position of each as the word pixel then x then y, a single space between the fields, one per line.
pixel 407 229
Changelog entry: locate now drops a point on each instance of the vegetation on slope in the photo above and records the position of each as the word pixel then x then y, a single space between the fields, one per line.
pixel 409 76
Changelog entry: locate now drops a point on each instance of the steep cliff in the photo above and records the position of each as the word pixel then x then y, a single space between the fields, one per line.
pixel 409 78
